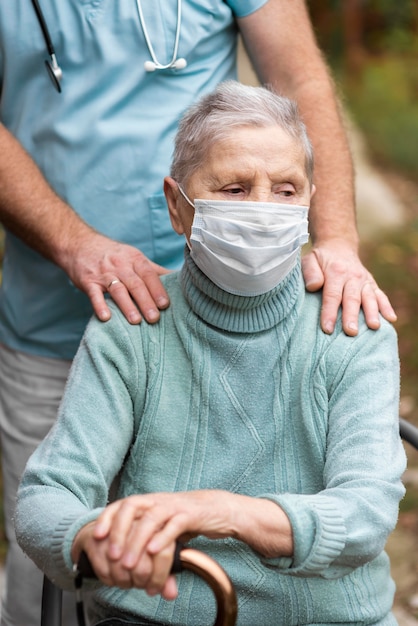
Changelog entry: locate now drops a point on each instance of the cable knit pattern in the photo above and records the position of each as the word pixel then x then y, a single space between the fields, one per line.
pixel 242 394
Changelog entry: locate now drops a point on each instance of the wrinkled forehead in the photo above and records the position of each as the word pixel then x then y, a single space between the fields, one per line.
pixel 244 152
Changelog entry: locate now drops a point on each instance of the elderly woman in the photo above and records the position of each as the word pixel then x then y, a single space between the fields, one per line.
pixel 235 422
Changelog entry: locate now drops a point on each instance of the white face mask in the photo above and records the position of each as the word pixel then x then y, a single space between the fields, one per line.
pixel 247 248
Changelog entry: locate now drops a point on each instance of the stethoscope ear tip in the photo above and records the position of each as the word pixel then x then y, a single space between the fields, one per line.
pixel 180 64
pixel 150 66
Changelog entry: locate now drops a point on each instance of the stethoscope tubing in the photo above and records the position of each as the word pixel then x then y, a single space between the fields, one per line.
pixel 55 71
pixel 44 27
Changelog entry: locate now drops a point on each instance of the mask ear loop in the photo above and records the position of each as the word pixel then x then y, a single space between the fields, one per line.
pixel 185 196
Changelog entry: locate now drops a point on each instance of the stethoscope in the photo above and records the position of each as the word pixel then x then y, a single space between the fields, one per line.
pixel 175 63
pixel 55 72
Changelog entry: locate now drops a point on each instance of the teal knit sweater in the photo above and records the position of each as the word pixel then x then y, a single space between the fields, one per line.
pixel 246 395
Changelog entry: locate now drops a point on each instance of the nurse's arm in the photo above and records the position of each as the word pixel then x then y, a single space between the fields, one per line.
pixel 31 210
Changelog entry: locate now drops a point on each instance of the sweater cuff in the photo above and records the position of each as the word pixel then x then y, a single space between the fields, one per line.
pixel 319 534
pixel 63 538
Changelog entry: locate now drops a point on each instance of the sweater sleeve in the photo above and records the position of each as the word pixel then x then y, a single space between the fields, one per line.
pixel 348 522
pixel 66 482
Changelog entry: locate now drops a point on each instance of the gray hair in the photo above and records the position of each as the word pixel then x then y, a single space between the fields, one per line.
pixel 232 104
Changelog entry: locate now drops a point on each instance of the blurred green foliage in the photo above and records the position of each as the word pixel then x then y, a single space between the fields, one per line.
pixel 410 502
pixel 384 102
pixel 372 47
pixel 390 26
pixel 377 26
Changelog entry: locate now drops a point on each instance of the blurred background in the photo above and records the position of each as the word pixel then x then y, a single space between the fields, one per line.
pixel 372 50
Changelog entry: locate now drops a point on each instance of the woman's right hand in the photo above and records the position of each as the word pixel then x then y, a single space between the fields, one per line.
pixel 151 572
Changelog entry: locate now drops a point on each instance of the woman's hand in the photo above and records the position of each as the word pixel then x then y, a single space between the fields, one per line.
pixel 132 543
pixel 151 573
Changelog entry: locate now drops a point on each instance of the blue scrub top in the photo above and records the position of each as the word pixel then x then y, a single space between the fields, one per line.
pixel 105 143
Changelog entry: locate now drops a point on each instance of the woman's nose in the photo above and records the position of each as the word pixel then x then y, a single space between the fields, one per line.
pixel 261 195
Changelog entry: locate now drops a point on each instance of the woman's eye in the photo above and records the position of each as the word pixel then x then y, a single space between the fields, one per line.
pixel 287 192
pixel 233 190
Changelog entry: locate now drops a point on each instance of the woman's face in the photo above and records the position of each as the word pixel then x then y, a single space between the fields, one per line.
pixel 251 164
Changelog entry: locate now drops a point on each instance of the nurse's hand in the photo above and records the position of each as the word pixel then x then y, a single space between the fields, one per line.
pixel 103 265
pixel 337 269
pixel 94 263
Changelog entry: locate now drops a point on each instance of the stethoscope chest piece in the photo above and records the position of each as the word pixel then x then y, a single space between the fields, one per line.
pixel 55 72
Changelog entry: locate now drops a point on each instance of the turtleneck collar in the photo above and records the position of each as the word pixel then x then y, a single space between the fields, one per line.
pixel 241 314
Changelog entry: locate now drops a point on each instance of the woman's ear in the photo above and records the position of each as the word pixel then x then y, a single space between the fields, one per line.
pixel 313 189
pixel 172 195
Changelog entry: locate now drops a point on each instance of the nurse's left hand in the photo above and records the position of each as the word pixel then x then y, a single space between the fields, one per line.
pixel 337 269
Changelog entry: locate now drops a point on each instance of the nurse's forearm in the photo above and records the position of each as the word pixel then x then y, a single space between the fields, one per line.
pixel 281 43
pixel 31 210
pixel 332 213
